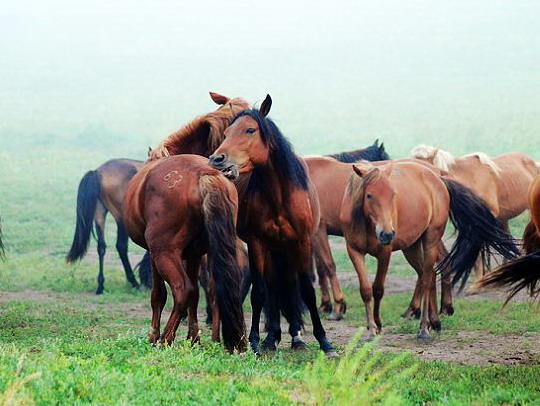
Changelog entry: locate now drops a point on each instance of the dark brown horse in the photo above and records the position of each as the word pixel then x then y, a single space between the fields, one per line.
pixel 405 206
pixel 372 153
pixel 278 213
pixel 180 209
pixel 523 273
pixel 102 191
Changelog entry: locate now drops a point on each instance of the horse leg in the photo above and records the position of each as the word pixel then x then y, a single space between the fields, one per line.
pixel 158 298
pixel 272 318
pixel 429 316
pixel 383 260
pixel 193 265
pixel 122 248
pixel 258 291
pixel 414 255
pixel 365 289
pixel 446 285
pixel 303 256
pixel 326 268
pixel 99 219
pixel 171 267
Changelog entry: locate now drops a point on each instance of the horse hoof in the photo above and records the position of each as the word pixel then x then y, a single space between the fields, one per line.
pixel 335 316
pixel 255 347
pixel 269 345
pixel 298 345
pixel 448 310
pixel 369 336
pixel 423 337
pixel 331 354
pixel 410 313
pixel 99 292
pixel 325 308
pixel 436 325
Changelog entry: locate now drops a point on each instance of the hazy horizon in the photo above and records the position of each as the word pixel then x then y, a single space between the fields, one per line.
pixel 340 75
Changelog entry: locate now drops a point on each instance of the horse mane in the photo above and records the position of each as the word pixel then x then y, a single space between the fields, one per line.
pixel 485 160
pixel 439 157
pixel 372 153
pixel 281 152
pixel 211 124
pixel 357 189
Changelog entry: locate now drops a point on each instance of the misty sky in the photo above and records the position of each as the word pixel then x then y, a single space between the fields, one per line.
pixel 340 68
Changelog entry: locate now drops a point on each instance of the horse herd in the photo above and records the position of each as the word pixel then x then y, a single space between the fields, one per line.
pixel 231 176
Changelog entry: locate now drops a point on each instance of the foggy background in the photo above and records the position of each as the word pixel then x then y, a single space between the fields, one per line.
pixel 121 75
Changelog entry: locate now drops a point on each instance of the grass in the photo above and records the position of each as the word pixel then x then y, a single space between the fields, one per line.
pixel 61 344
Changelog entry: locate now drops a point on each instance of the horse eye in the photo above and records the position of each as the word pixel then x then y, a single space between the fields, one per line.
pixel 250 131
pixel 369 195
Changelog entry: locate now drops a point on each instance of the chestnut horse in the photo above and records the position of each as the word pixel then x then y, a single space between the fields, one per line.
pixel 180 209
pixel 525 271
pixel 278 213
pixel 405 206
pixel 103 190
pixel 329 175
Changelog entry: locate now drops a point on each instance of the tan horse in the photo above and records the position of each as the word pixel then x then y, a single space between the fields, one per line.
pixel 180 209
pixel 405 206
pixel 331 178
pixel 502 181
pixel 524 273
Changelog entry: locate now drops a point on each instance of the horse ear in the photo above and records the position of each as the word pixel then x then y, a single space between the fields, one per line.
pixel 266 105
pixel 361 170
pixel 149 150
pixel 381 147
pixel 218 98
pixel 376 143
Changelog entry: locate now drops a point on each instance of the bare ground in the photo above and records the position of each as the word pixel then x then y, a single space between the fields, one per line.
pixel 467 347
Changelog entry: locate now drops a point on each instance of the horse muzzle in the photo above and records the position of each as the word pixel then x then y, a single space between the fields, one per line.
pixel 386 237
pixel 220 162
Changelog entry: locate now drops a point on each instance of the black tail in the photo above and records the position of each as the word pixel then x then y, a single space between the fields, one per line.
pixel 523 273
pixel 478 232
pixel 219 213
pixel 531 238
pixel 145 270
pixel 2 251
pixel 87 197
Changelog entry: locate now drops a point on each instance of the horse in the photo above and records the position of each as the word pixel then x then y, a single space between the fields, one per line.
pixel 103 190
pixel 523 273
pixel 178 208
pixel 405 206
pixel 324 181
pixel 372 153
pixel 502 181
pixel 2 248
pixel 278 213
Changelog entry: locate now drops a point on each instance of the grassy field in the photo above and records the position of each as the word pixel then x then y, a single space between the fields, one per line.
pixel 61 344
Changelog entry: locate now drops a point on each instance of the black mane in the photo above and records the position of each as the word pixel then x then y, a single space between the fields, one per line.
pixel 372 153
pixel 282 153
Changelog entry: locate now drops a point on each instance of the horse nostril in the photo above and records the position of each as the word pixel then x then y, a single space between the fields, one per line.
pixel 217 159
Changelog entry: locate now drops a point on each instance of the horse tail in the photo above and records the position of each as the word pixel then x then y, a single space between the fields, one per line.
pixel 219 213
pixel 523 273
pixel 478 231
pixel 2 250
pixel 531 239
pixel 87 198
pixel 145 270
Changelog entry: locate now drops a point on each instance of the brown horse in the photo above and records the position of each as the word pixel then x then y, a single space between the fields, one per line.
pixel 278 213
pixel 405 206
pixel 324 181
pixel 179 209
pixel 525 271
pixel 102 191
pixel 502 181
pixel 329 175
